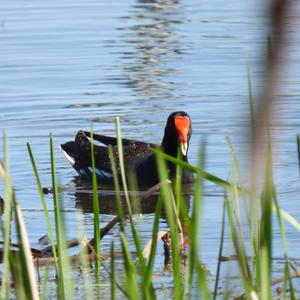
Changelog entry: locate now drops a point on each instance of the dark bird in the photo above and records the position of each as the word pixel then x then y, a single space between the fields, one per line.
pixel 138 158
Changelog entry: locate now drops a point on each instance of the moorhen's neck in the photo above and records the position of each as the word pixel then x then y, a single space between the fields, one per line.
pixel 170 143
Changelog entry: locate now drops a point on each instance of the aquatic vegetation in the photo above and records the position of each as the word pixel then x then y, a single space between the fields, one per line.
pixel 182 243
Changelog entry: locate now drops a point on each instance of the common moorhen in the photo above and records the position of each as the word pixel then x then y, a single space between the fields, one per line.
pixel 138 157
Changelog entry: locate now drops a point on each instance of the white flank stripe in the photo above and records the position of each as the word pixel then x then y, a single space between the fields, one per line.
pixel 69 158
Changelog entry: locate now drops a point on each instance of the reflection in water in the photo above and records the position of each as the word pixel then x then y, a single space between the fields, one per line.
pixel 107 203
pixel 154 44
pixel 84 199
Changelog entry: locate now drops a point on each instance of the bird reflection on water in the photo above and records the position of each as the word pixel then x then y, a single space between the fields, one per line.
pixel 84 199
pixel 154 44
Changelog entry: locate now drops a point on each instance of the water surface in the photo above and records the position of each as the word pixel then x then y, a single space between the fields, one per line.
pixel 67 65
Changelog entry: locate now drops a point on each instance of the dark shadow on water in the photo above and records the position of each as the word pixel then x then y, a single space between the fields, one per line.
pixel 107 203
pixel 83 195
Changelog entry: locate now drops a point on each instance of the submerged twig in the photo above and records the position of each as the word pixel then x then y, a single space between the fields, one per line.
pixel 167 241
pixel 105 230
pixel 147 249
pixel 47 252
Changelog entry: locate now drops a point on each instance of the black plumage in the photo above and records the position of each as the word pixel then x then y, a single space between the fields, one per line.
pixel 138 157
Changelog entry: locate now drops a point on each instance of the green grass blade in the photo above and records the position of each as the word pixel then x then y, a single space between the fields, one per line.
pixel 235 164
pixel 136 239
pixel 265 245
pixel 173 225
pixel 208 176
pixel 25 269
pixel 96 209
pixel 131 290
pixel 45 209
pixel 289 218
pixel 194 226
pixel 16 267
pixel 112 272
pixel 178 185
pixel 287 272
pixel 28 274
pixel 135 199
pixel 61 279
pixel 148 275
pixel 239 249
pixel 43 284
pixel 181 206
pixel 131 276
pixel 83 254
pixel 287 275
pixel 203 283
pixel 122 164
pixel 5 284
pixel 117 189
pixel 220 253
pixel 64 280
pixel 194 263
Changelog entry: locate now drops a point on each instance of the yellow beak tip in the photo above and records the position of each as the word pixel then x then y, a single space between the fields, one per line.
pixel 184 148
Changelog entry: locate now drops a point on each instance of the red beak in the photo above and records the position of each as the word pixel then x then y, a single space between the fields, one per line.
pixel 182 125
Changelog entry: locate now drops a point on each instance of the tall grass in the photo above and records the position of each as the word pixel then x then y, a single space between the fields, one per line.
pixel 65 289
pixel 6 227
pixel 190 277
pixel 96 209
pixel 18 265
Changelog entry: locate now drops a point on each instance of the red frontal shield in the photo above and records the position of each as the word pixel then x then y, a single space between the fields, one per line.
pixel 182 125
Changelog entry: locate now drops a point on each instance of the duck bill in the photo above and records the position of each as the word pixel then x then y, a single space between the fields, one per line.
pixel 184 148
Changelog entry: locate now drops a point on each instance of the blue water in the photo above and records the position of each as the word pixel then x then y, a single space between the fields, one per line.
pixel 67 65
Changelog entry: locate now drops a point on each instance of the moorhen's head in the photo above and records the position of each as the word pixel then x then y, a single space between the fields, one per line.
pixel 178 132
